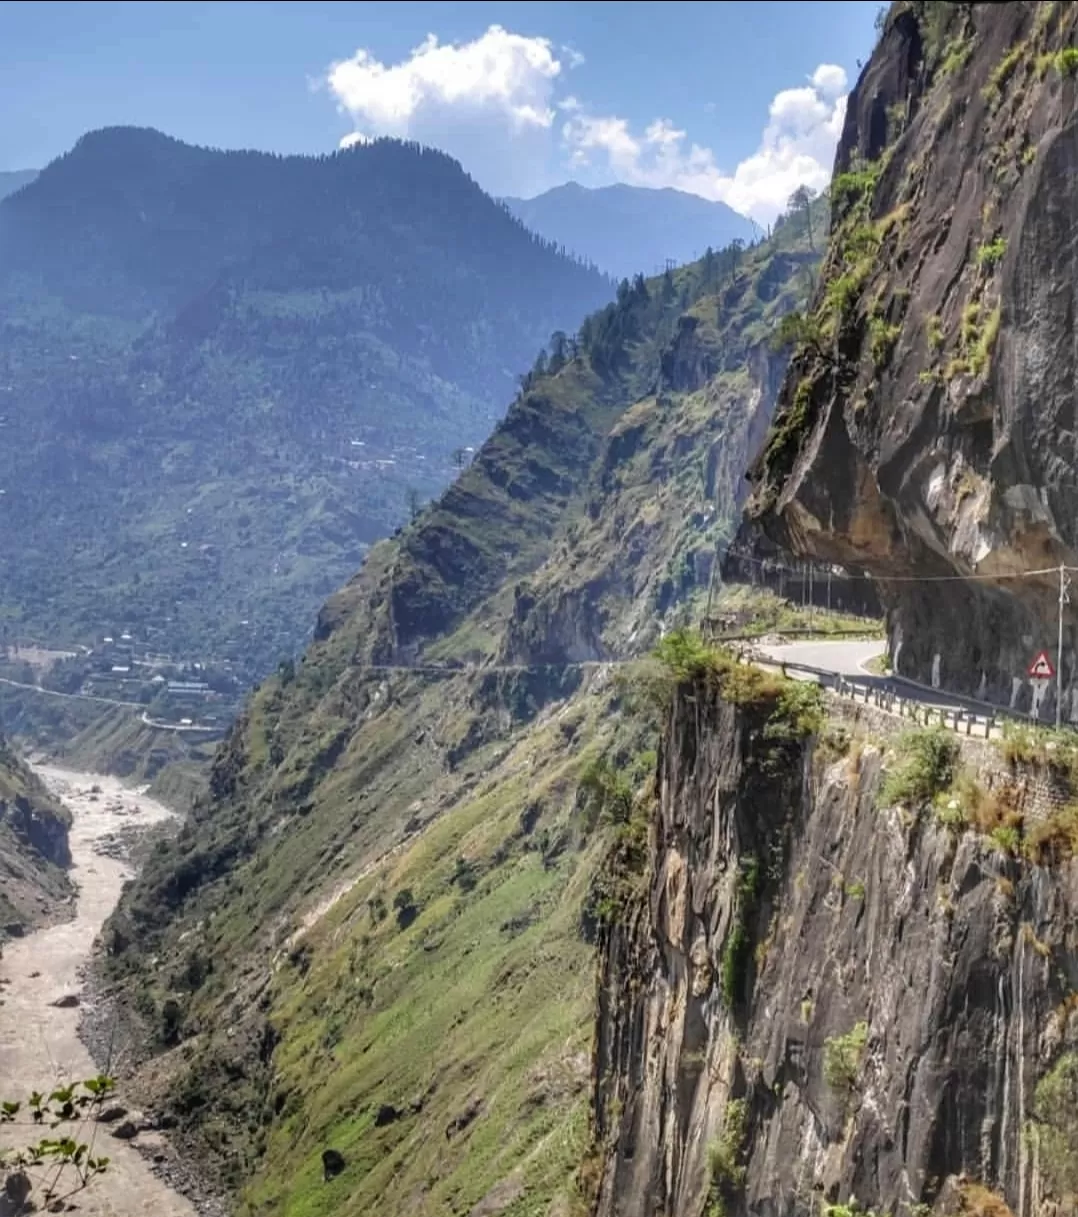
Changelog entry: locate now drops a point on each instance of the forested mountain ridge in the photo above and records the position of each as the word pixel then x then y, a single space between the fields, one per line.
pixel 223 374
pixel 389 858
pixel 14 179
pixel 630 230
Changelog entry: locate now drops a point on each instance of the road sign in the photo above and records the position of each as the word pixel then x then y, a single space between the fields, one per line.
pixel 1041 668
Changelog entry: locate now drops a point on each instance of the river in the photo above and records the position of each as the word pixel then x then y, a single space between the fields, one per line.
pixel 39 1043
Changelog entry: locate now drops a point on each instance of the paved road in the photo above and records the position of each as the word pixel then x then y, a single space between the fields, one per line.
pixel 849 659
pixel 841 655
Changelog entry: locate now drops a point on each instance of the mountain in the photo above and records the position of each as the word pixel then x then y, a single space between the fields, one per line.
pixel 846 984
pixel 375 934
pixel 34 851
pixel 224 374
pixel 927 424
pixel 628 230
pixel 14 179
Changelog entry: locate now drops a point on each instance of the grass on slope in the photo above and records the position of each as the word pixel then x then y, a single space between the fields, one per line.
pixel 456 1020
pixel 454 794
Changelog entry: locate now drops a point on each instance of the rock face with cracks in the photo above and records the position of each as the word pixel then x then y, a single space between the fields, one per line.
pixel 926 426
pixel 819 1001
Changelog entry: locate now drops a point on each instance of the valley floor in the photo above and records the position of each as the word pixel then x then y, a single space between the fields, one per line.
pixel 39 1043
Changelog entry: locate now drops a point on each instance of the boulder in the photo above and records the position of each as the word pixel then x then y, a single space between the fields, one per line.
pixel 332 1164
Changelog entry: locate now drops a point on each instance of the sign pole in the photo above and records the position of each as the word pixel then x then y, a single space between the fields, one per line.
pixel 1059 646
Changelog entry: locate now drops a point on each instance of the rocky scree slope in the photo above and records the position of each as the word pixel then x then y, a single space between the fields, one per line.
pixel 926 426
pixel 829 998
pixel 224 374
pixel 34 850
pixel 375 933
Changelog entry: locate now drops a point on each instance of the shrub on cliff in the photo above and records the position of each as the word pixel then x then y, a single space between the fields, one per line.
pixel 927 760
pixel 1054 1128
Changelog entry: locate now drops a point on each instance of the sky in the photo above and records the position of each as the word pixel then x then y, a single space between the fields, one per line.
pixel 734 101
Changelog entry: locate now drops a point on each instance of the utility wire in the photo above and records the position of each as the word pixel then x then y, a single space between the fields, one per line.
pixel 777 566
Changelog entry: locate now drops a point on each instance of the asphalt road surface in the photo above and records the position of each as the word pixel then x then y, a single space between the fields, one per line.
pixel 849 658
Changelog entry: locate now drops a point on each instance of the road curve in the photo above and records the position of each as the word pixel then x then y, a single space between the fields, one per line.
pixel 842 655
pixel 850 659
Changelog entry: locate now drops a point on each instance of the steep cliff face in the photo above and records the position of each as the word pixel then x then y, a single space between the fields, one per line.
pixel 820 999
pixel 926 426
pixel 34 848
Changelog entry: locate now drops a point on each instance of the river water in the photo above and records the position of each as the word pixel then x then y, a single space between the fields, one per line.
pixel 39 1043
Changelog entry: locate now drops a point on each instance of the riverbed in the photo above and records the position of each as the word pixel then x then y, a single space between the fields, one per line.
pixel 39 1042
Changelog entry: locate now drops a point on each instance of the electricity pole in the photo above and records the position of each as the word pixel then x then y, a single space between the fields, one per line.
pixel 1064 583
pixel 810 605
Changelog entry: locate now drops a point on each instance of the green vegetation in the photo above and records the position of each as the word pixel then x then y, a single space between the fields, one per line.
pixel 935 18
pixel 852 1209
pixel 977 339
pixel 854 187
pixel 203 435
pixel 784 438
pixel 57 1167
pixel 882 338
pixel 842 1059
pixel 925 767
pixel 1054 1127
pixel 755 611
pixel 855 242
pixel 793 708
pixel 1002 73
pixel 507 794
pixel 1065 62
pixel 955 56
pixel 1029 744
pixel 736 948
pixel 726 1158
pixel 991 254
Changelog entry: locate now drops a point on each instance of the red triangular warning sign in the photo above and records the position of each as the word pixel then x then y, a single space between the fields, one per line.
pixel 1041 668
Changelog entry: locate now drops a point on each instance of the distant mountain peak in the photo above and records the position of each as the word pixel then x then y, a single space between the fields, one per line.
pixel 628 229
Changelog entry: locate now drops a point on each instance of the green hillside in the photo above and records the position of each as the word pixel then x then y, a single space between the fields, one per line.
pixel 223 375
pixel 376 933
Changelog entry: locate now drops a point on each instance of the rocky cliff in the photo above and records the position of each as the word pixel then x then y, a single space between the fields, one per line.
pixel 826 1002
pixel 34 850
pixel 375 934
pixel 926 427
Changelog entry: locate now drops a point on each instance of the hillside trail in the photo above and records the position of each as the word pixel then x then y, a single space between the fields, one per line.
pixel 39 1043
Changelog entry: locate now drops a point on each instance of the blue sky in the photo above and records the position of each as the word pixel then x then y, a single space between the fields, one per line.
pixel 730 100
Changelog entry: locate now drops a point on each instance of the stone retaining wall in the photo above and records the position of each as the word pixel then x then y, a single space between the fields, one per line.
pixel 1036 791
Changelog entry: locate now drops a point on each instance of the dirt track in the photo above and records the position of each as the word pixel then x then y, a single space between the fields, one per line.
pixel 39 1044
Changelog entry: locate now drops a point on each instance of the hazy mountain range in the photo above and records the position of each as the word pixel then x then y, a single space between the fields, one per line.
pixel 224 374
pixel 13 179
pixel 627 230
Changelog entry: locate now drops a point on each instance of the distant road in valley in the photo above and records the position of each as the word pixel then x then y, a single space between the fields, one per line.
pixel 835 656
pixel 108 701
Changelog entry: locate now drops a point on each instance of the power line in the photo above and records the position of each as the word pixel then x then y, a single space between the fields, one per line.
pixel 778 565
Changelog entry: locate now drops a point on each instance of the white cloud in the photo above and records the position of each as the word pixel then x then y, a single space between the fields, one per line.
pixel 797 147
pixel 494 103
pixel 489 102
pixel 829 79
